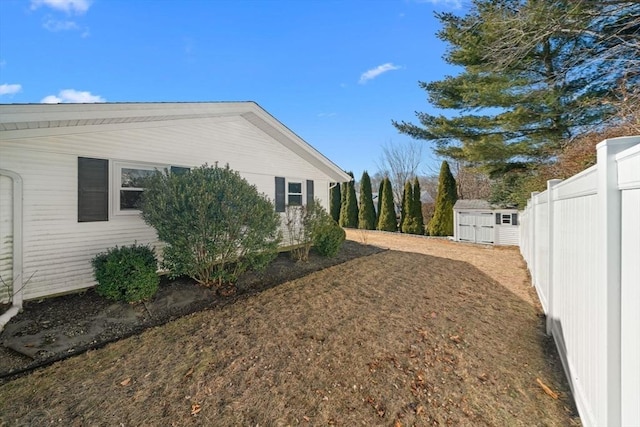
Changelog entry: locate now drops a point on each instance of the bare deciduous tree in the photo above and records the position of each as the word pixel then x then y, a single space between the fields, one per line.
pixel 472 183
pixel 400 162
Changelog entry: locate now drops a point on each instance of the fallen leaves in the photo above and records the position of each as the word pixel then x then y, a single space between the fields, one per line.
pixel 546 389
pixel 195 408
pixel 125 382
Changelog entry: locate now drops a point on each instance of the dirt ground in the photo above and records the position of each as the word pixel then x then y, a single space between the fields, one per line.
pixel 55 328
pixel 427 333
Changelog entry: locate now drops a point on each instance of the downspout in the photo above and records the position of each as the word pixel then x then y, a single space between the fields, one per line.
pixel 16 282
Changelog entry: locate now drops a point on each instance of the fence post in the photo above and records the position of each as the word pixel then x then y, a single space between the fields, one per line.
pixel 609 247
pixel 532 237
pixel 550 228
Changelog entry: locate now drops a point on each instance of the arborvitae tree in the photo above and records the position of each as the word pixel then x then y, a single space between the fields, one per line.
pixel 405 214
pixel 380 189
pixel 366 214
pixel 343 204
pixel 336 202
pixel 442 222
pixel 417 207
pixel 349 218
pixel 388 221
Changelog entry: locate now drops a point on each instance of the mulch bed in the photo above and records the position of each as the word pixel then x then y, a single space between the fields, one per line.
pixel 72 312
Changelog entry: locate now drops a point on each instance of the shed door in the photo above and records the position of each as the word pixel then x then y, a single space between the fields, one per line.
pixel 476 227
pixel 6 238
pixel 484 228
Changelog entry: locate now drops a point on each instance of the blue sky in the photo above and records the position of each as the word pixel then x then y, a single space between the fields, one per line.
pixel 335 72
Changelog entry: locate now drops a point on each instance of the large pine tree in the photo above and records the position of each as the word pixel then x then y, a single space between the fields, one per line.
pixel 387 221
pixel 535 74
pixel 442 222
pixel 367 213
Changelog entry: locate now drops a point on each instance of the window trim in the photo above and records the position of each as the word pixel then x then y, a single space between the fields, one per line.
pixel 281 200
pixel 300 194
pixel 118 165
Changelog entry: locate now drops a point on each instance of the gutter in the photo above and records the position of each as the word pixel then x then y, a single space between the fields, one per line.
pixel 16 280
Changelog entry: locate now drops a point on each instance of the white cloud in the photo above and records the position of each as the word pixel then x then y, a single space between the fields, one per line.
pixel 455 4
pixel 55 25
pixel 6 89
pixel 77 6
pixel 327 114
pixel 375 72
pixel 72 96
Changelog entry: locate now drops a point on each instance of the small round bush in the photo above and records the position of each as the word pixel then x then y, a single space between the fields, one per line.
pixel 127 273
pixel 328 239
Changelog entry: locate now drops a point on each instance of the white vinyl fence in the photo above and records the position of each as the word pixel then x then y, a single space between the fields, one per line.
pixel 581 242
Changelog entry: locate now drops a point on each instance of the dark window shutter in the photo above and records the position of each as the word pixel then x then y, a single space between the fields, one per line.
pixel 310 195
pixel 93 189
pixel 498 218
pixel 514 219
pixel 177 170
pixel 280 194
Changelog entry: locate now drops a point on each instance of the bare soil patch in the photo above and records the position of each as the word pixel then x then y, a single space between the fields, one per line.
pixel 397 338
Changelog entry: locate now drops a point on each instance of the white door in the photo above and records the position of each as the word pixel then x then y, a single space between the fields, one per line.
pixel 6 238
pixel 466 226
pixel 476 227
pixel 485 227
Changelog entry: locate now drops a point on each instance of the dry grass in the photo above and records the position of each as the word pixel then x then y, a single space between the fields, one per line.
pixel 428 337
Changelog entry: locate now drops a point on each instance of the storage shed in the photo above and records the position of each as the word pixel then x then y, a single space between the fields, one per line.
pixel 68 177
pixel 478 221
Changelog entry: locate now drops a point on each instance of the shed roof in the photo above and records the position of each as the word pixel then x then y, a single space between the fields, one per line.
pixel 478 204
pixel 473 204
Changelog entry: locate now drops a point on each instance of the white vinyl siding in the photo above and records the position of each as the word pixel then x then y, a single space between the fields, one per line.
pixel 486 226
pixel 58 249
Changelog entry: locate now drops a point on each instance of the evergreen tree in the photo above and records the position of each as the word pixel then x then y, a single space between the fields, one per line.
pixel 366 214
pixel 406 212
pixel 349 217
pixel 417 207
pixel 343 204
pixel 388 221
pixel 442 222
pixel 336 202
pixel 535 74
pixel 380 189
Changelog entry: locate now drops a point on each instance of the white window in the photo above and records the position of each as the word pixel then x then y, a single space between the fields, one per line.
pixel 294 193
pixel 129 184
pixel 506 218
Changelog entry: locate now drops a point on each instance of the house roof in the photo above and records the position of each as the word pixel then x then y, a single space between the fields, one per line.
pixel 42 118
pixel 477 204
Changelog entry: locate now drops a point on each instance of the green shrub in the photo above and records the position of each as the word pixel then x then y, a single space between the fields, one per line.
pixel 304 224
pixel 441 223
pixel 214 223
pixel 387 219
pixel 127 273
pixel 328 239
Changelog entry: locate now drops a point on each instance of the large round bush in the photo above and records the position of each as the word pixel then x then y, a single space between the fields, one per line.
pixel 214 223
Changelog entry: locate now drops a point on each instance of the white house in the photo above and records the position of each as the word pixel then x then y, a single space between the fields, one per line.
pixel 478 221
pixel 67 177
